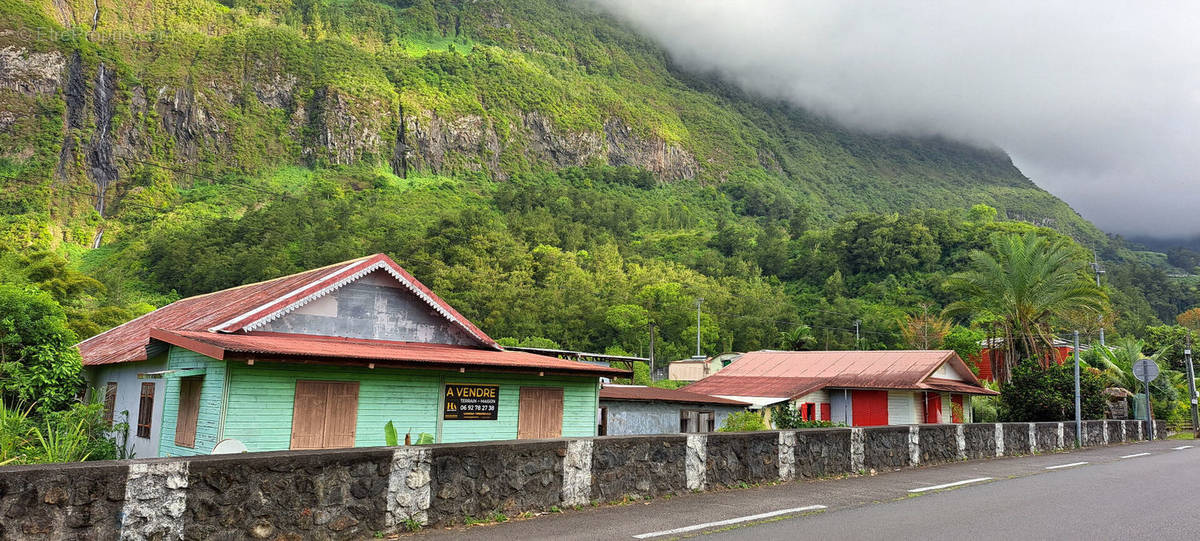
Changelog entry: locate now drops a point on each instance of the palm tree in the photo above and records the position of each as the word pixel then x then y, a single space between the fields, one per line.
pixel 797 339
pixel 1115 363
pixel 1028 282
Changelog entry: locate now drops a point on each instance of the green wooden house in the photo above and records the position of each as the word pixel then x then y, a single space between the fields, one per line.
pixel 326 358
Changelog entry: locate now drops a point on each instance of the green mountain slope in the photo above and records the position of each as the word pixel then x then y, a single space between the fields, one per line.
pixel 450 88
pixel 543 165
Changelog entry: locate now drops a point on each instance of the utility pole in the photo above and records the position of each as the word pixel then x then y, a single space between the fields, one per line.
pixel 857 323
pixel 1098 270
pixel 1079 414
pixel 699 300
pixel 652 373
pixel 1191 376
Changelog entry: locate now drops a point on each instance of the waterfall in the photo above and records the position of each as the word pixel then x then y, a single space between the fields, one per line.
pixel 103 171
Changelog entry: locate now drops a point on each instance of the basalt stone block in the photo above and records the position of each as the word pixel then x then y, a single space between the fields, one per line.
pixel 885 447
pixel 1093 433
pixel 734 458
pixel 330 494
pixel 68 501
pixel 638 465
pixel 1016 439
pixel 938 443
pixel 1160 430
pixel 1131 429
pixel 477 479
pixel 1047 437
pixel 981 440
pixel 822 452
pixel 1114 430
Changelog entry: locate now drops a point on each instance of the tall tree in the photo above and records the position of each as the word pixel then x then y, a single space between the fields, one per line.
pixel 1026 282
pixel 924 330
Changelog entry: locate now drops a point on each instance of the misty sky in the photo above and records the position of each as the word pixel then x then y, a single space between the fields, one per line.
pixel 1096 101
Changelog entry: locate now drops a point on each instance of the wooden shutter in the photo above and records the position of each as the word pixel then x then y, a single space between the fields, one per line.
pixel 189 410
pixel 110 401
pixel 540 412
pixel 325 414
pixel 956 414
pixel 933 408
pixel 341 420
pixel 826 412
pixel 602 426
pixel 145 410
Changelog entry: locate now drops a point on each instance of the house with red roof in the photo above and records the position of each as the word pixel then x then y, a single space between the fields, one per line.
pixel 639 409
pixel 857 388
pixel 325 359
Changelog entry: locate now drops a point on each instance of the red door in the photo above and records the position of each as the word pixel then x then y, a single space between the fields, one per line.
pixel 933 408
pixel 956 413
pixel 870 408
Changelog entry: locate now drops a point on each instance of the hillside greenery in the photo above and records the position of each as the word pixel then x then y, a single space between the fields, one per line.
pixel 789 220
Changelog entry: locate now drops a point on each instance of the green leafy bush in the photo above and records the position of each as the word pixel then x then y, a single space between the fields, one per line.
pixel 788 417
pixel 743 421
pixel 1048 394
pixel 38 361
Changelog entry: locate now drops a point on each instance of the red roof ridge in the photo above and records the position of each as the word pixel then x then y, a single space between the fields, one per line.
pixel 288 347
pixel 322 337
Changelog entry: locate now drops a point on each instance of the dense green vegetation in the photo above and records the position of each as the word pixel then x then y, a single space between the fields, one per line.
pixel 1038 393
pixel 560 182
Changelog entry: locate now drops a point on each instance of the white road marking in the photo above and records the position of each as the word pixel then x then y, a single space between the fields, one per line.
pixel 948 485
pixel 1065 465
pixel 1182 447
pixel 719 523
pixel 1135 455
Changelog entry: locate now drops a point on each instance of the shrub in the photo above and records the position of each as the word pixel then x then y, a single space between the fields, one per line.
pixel 72 435
pixel 38 360
pixel 1048 394
pixel 743 421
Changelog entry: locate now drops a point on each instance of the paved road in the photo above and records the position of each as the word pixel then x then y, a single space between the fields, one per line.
pixel 1152 495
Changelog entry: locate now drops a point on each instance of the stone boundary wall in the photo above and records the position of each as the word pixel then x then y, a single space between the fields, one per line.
pixel 355 493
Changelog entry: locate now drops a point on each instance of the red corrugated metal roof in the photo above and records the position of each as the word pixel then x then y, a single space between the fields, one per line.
pixel 788 374
pixel 242 308
pixel 719 384
pixel 642 392
pixel 952 386
pixel 269 346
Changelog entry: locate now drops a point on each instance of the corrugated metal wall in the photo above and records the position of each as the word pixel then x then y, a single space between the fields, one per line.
pixel 259 412
pixel 903 408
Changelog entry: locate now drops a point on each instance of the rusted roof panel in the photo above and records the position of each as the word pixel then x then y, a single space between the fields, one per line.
pixel 795 373
pixel 642 392
pixel 230 310
pixel 299 347
pixel 952 386
pixel 719 384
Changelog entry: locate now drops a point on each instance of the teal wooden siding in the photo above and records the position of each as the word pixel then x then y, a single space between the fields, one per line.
pixel 259 413
pixel 212 394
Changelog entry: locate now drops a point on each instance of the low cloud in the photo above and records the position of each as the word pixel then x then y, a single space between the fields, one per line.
pixel 1097 102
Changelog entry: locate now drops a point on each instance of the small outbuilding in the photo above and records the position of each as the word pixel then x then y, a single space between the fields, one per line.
pixel 325 359
pixel 857 388
pixel 638 409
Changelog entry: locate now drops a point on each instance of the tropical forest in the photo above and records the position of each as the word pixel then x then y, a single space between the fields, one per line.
pixel 542 166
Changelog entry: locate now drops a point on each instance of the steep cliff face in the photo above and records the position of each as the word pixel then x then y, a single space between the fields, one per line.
pixel 103 91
